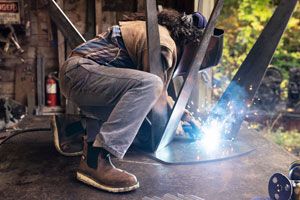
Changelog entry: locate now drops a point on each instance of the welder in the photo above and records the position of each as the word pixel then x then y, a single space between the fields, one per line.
pixel 112 71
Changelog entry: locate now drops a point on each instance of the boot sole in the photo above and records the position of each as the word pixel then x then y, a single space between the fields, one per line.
pixel 56 140
pixel 89 181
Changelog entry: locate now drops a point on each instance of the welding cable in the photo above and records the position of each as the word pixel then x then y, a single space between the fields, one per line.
pixel 6 135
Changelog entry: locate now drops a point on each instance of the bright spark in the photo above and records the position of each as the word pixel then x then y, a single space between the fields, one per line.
pixel 250 87
pixel 212 135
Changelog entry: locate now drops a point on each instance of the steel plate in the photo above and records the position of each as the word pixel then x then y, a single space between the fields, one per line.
pixel 187 152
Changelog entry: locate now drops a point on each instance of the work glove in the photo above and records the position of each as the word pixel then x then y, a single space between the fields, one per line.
pixel 190 125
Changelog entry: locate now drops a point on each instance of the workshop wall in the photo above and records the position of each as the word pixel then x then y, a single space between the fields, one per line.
pixel 36 37
pixel 39 38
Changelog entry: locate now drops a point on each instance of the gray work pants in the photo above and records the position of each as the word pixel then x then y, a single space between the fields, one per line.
pixel 129 93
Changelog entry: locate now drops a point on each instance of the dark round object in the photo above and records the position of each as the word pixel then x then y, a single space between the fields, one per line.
pixel 294 173
pixel 296 163
pixel 280 187
pixel 273 75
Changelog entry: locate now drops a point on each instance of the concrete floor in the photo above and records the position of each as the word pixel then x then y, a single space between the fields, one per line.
pixel 30 168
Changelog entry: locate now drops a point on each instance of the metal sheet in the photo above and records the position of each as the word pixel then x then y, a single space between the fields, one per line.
pixel 153 41
pixel 245 83
pixel 159 112
pixel 187 152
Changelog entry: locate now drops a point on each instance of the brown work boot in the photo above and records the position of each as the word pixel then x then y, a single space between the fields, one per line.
pixel 96 169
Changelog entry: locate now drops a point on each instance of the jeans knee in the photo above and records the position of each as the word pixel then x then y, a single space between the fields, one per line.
pixel 154 85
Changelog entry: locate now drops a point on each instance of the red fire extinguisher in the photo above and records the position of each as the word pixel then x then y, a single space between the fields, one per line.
pixel 51 91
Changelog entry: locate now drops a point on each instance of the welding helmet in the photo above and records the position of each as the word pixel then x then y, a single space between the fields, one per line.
pixel 196 19
pixel 199 20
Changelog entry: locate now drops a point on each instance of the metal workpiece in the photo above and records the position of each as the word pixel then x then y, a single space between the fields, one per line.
pixel 159 112
pixel 185 92
pixel 229 112
pixel 190 152
pixel 238 96
pixel 226 117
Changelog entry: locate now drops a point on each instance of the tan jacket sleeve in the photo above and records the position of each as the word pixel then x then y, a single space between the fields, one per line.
pixel 168 59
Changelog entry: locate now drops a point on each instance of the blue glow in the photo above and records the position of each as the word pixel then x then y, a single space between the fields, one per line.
pixel 229 111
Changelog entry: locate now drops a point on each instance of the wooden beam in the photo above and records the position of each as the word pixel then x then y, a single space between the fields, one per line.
pixel 140 5
pixel 99 16
pixel 40 80
pixel 61 41
pixel 24 85
pixel 90 15
pixel 205 7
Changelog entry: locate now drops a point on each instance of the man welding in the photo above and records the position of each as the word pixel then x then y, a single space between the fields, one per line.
pixel 112 71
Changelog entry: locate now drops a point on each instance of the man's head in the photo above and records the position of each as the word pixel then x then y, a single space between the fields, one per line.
pixel 196 19
pixel 183 28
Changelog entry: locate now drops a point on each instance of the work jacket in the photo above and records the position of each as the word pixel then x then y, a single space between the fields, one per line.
pixel 135 40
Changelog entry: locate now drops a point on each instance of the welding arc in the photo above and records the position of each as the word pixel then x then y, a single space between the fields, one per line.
pixel 252 70
pixel 10 134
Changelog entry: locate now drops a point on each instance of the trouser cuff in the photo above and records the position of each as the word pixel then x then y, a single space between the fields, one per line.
pixel 99 143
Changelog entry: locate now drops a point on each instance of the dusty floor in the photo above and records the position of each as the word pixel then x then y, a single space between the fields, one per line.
pixel 30 168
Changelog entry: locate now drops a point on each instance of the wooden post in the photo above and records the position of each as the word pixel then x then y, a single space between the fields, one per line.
pixel 140 6
pixel 90 18
pixel 99 14
pixel 61 41
pixel 61 49
pixel 204 6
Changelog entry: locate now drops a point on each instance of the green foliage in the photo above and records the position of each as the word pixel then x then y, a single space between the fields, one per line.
pixel 243 21
pixel 290 140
